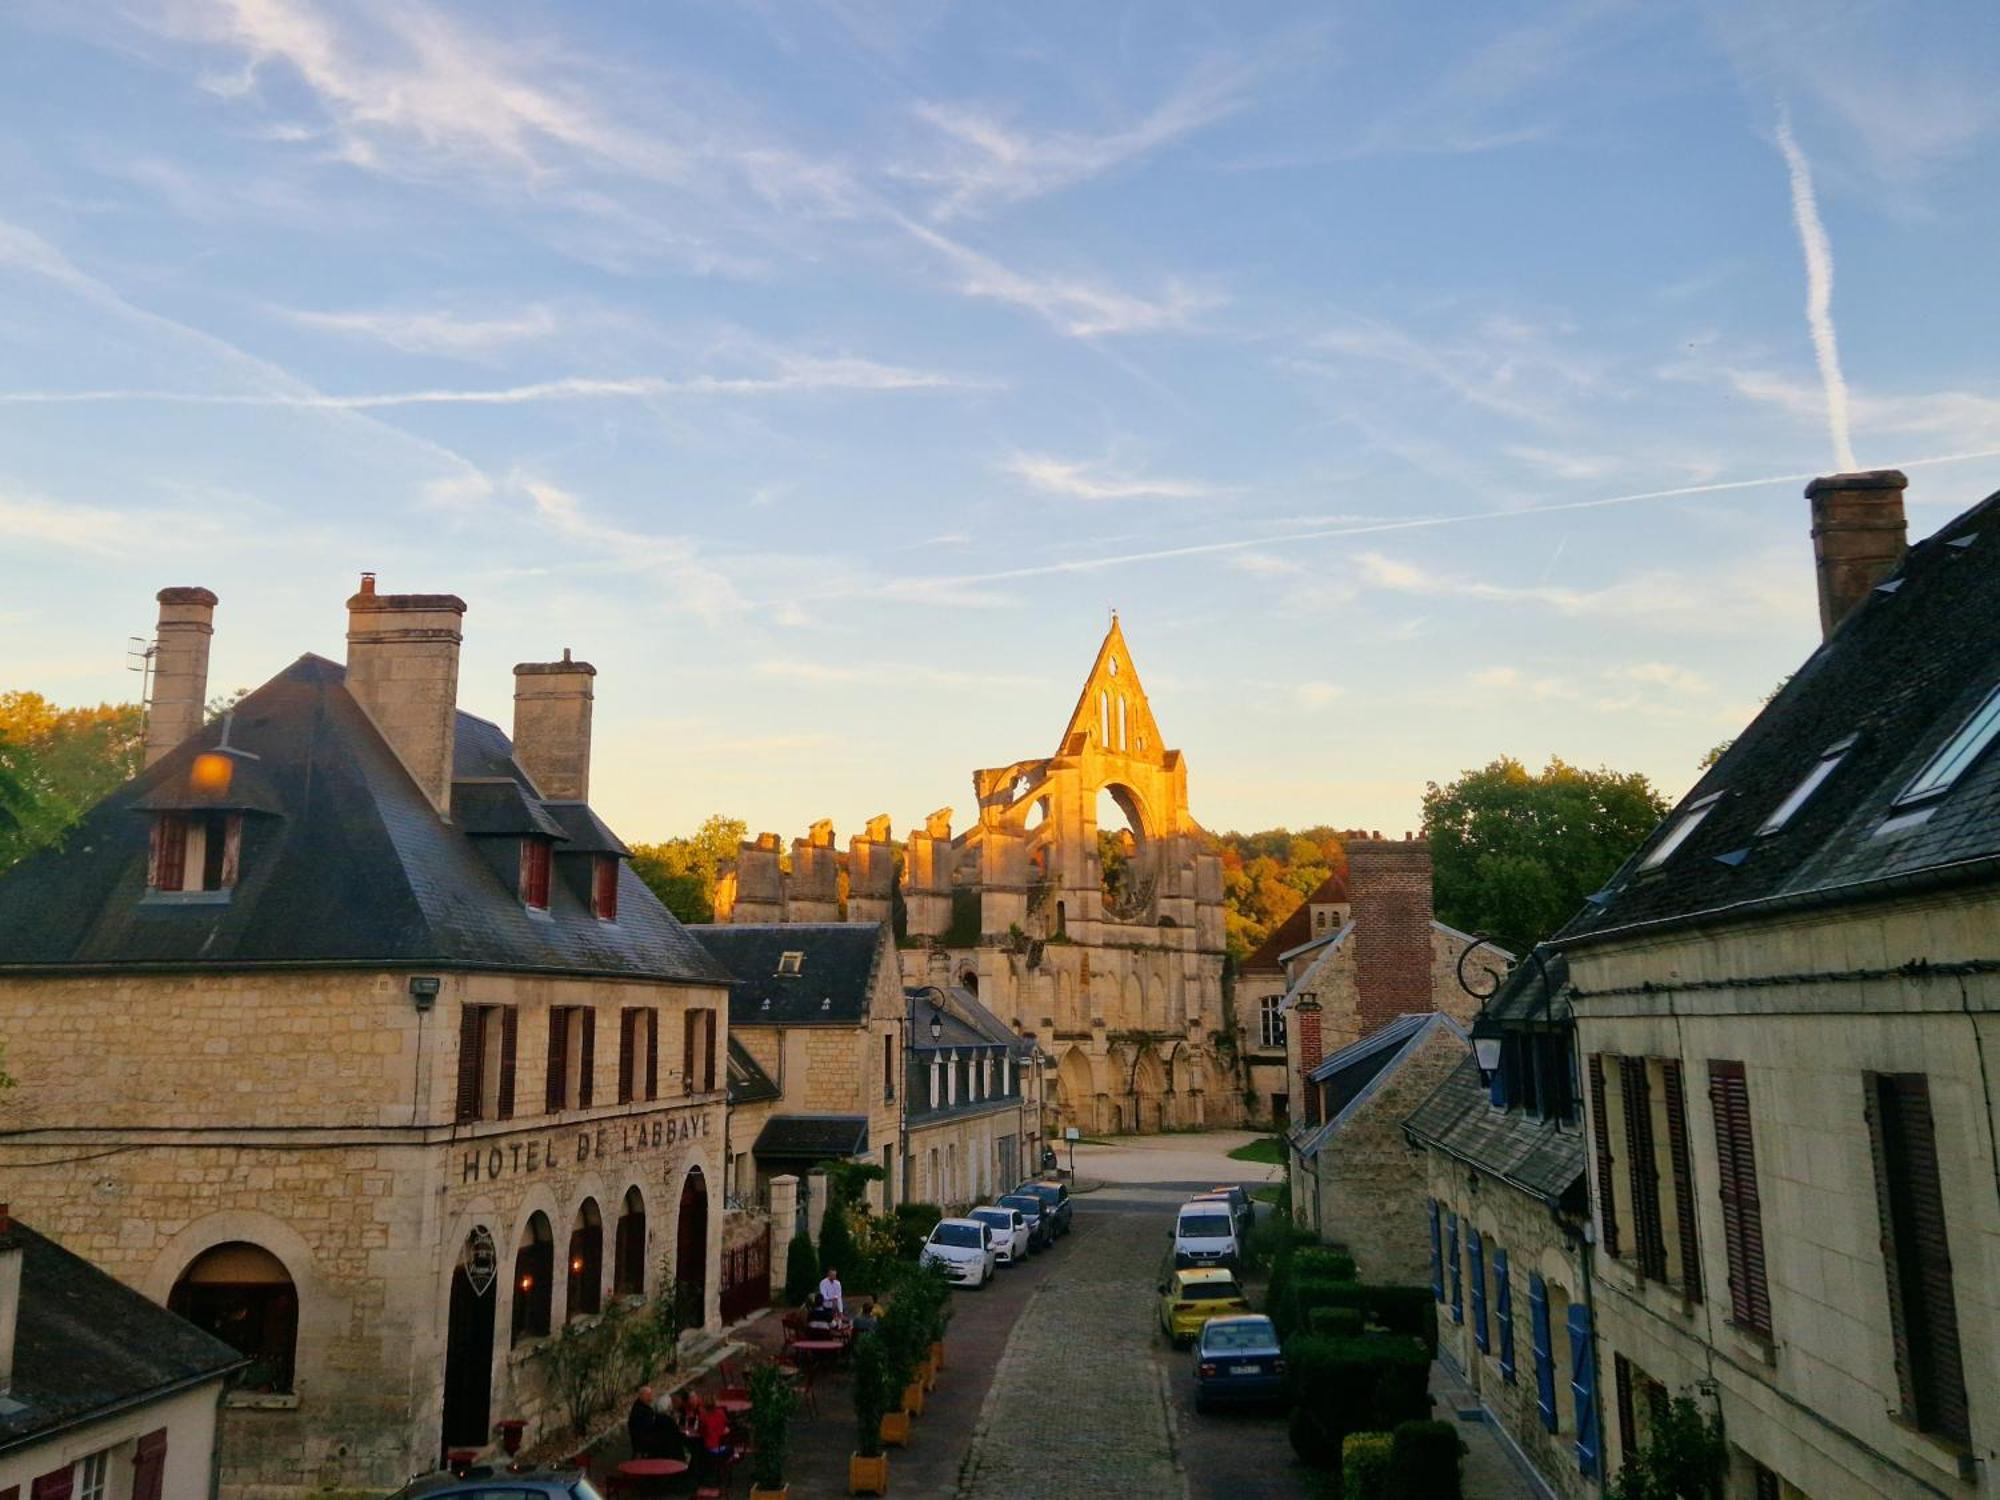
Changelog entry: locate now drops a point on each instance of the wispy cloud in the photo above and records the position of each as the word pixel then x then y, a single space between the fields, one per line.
pixel 1078 479
pixel 849 674
pixel 688 582
pixel 1315 694
pixel 28 520
pixel 1662 674
pixel 1819 293
pixel 1509 367
pixel 432 332
pixel 1561 464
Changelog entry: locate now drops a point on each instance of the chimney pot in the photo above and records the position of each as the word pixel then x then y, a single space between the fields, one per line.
pixel 402 668
pixel 1859 536
pixel 552 712
pixel 180 668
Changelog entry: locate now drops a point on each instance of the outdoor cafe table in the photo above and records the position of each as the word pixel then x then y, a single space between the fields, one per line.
pixel 652 1470
pixel 816 1347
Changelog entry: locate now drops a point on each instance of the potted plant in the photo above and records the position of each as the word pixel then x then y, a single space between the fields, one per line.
pixel 903 1338
pixel 868 1465
pixel 772 1402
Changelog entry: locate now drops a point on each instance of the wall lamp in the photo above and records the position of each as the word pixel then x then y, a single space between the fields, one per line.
pixel 424 990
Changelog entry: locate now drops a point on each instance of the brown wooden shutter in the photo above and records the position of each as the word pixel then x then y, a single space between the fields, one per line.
pixel 12 1492
pixel 628 1052
pixel 1742 1210
pixel 690 1029
pixel 708 1051
pixel 558 1087
pixel 149 1466
pixel 604 886
pixel 52 1486
pixel 509 1035
pixel 1649 1240
pixel 471 1052
pixel 170 861
pixel 1628 1425
pixel 1683 1167
pixel 1600 1122
pixel 587 1063
pixel 652 1053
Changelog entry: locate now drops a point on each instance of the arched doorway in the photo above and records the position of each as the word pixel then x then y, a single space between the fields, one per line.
pixel 534 1279
pixel 1077 1090
pixel 243 1294
pixel 586 1263
pixel 1149 1084
pixel 628 1276
pixel 468 1348
pixel 691 1251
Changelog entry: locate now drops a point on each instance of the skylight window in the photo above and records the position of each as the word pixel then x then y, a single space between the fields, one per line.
pixel 1808 784
pixel 1942 770
pixel 1689 822
pixel 791 963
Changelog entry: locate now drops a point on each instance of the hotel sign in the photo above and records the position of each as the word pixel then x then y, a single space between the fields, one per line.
pixel 601 1142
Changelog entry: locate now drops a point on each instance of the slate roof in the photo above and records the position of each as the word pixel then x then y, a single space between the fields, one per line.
pixel 1524 996
pixel 1295 929
pixel 1535 1155
pixel 748 1083
pixel 836 971
pixel 967 1023
pixel 1357 1070
pixel 355 866
pixel 812 1137
pixel 1903 672
pixel 86 1344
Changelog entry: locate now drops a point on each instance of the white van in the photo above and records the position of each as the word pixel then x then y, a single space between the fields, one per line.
pixel 1205 1235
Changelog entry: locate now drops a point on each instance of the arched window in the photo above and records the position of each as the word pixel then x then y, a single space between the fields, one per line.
pixel 534 1279
pixel 243 1295
pixel 586 1263
pixel 628 1275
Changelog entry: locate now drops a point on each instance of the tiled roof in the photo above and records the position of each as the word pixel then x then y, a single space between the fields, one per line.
pixel 812 1137
pixel 1357 1070
pixel 1296 928
pixel 1523 995
pixel 88 1345
pixel 835 978
pixel 1537 1156
pixel 966 1023
pixel 1901 674
pixel 352 866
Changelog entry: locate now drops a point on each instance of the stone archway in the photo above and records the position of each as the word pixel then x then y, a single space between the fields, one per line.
pixel 1149 1088
pixel 1077 1086
pixel 691 1249
pixel 468 1356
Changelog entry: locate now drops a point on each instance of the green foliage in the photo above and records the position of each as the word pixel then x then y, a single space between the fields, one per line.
pixel 871 1393
pixel 1336 1322
pixel 1266 875
pixel 1364 1463
pixel 836 1240
pixel 772 1402
pixel 963 932
pixel 1683 1457
pixel 1322 1262
pixel 583 1364
pixel 1408 1311
pixel 682 871
pixel 914 1321
pixel 914 1223
pixel 652 1337
pixel 1515 852
pixel 1340 1386
pixel 1266 1148
pixel 801 1269
pixel 847 1182
pixel 56 764
pixel 1423 1462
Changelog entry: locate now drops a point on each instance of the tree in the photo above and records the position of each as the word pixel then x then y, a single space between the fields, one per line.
pixel 1683 1457
pixel 57 763
pixel 1514 853
pixel 801 1270
pixel 682 871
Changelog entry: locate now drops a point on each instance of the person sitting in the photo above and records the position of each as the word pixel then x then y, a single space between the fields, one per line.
pixel 868 1319
pixel 714 1439
pixel 643 1423
pixel 820 1315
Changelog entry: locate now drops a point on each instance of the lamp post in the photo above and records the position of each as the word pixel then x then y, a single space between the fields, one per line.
pixel 1486 1030
pixel 904 1023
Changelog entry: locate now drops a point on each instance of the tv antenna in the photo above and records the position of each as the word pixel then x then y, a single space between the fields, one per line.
pixel 139 654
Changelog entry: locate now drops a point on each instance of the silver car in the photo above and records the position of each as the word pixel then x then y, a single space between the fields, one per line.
pixel 485 1483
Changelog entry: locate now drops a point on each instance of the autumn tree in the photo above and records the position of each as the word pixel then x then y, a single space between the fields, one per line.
pixel 1514 852
pixel 682 871
pixel 57 763
pixel 1265 876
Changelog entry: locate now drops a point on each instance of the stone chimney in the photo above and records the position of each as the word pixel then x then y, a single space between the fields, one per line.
pixel 552 702
pixel 1859 537
pixel 1389 886
pixel 180 668
pixel 10 1296
pixel 402 668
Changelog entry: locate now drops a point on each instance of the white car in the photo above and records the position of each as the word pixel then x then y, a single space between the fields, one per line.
pixel 964 1247
pixel 1204 1234
pixel 1010 1232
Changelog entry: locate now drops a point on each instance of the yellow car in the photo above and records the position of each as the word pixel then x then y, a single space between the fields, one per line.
pixel 1190 1297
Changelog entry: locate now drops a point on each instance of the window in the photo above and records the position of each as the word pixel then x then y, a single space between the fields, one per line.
pixel 1681 1162
pixel 1503 1315
pixel 791 963
pixel 1808 784
pixel 1271 1021
pixel 243 1295
pixel 1688 822
pixel 1545 1366
pixel 535 873
pixel 698 1051
pixel 638 1053
pixel 1742 1211
pixel 628 1273
pixel 1943 769
pixel 604 887
pixel 1916 1249
pixel 93 1476
pixel 1535 1075
pixel 1454 1268
pixel 888 1066
pixel 1475 1254
pixel 1649 1241
pixel 486 1039
pixel 572 1057
pixel 1583 1388
pixel 534 1278
pixel 194 851
pixel 586 1263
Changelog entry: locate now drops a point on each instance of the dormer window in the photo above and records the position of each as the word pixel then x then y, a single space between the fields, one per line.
pixel 1941 772
pixel 791 963
pixel 535 873
pixel 194 851
pixel 1682 830
pixel 604 887
pixel 1808 784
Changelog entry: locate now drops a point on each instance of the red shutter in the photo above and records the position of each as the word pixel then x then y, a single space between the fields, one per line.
pixel 1742 1210
pixel 509 1034
pixel 604 887
pixel 471 1049
pixel 1648 1232
pixel 708 1051
pixel 1683 1166
pixel 535 872
pixel 169 853
pixel 690 1029
pixel 149 1466
pixel 55 1486
pixel 587 1062
pixel 1607 1197
pixel 628 1052
pixel 652 1053
pixel 558 1088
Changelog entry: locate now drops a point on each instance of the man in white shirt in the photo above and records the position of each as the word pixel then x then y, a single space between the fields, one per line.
pixel 829 1290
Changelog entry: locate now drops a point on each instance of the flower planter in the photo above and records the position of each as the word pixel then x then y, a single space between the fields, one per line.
pixel 937 1355
pixel 913 1398
pixel 868 1476
pixel 927 1375
pixel 896 1429
pixel 779 1493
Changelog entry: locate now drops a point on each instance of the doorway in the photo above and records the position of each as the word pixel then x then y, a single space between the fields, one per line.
pixel 468 1359
pixel 691 1251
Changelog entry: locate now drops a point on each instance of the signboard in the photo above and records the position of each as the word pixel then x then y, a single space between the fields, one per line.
pixel 482 1260
pixel 1072 1134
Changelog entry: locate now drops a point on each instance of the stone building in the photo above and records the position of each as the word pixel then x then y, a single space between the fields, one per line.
pixel 1786 1004
pixel 101 1392
pixel 345 1028
pixel 1261 983
pixel 970 1096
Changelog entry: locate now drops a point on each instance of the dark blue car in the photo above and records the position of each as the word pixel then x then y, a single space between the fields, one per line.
pixel 1237 1363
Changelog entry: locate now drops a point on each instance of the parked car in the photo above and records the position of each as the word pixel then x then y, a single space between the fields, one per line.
pixel 1205 1235
pixel 1237 1363
pixel 1189 1298
pixel 483 1482
pixel 1240 1207
pixel 1056 1196
pixel 964 1247
pixel 1010 1232
pixel 1041 1223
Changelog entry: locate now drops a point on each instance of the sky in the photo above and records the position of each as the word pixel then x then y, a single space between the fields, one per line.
pixel 1420 384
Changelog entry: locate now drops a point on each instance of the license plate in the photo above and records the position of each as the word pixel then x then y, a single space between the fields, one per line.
pixel 1246 1370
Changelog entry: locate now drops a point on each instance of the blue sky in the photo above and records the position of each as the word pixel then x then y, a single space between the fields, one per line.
pixel 1420 384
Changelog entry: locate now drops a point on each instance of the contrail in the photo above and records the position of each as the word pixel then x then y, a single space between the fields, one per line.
pixel 1819 293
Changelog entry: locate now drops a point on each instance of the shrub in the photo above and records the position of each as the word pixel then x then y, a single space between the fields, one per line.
pixel 1684 1454
pixel 1323 1263
pixel 1336 1322
pixel 1406 1310
pixel 1304 1293
pixel 772 1402
pixel 836 1240
pixel 871 1393
pixel 1423 1462
pixel 914 1222
pixel 1364 1460
pixel 1348 1385
pixel 801 1269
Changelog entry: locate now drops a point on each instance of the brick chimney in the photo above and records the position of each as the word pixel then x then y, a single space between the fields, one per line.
pixel 180 668
pixel 10 1296
pixel 1389 884
pixel 1304 1023
pixel 552 705
pixel 1859 537
pixel 402 668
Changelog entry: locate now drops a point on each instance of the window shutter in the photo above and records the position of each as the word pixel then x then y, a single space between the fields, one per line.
pixel 509 1035
pixel 170 853
pixel 708 1051
pixel 628 1052
pixel 1607 1199
pixel 1742 1211
pixel 54 1486
pixel 689 1028
pixel 1503 1314
pixel 1683 1168
pixel 1454 1269
pixel 1545 1363
pixel 149 1466
pixel 1583 1387
pixel 1475 1254
pixel 1628 1425
pixel 558 1084
pixel 604 887
pixel 1437 1253
pixel 587 1062
pixel 471 1054
pixel 1648 1233
pixel 652 1053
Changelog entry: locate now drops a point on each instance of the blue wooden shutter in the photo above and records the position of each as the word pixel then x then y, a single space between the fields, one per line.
pixel 1457 1277
pixel 1583 1386
pixel 1503 1311
pixel 1475 1251
pixel 1437 1256
pixel 1545 1365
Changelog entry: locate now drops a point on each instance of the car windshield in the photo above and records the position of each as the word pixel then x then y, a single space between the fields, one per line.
pixel 1028 1206
pixel 963 1236
pixel 1210 1291
pixel 1255 1335
pixel 583 1489
pixel 994 1216
pixel 1204 1226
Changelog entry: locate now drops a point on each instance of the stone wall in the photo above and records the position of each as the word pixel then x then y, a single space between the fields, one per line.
pixel 955 1162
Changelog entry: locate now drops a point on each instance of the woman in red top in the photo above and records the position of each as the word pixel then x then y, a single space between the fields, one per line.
pixel 715 1437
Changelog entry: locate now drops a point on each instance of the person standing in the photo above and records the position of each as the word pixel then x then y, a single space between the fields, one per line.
pixel 829 1291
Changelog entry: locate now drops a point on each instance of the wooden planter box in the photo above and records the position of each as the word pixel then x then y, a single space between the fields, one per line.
pixel 913 1398
pixel 868 1476
pixel 896 1429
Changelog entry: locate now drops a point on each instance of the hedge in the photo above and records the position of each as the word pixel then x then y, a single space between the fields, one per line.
pixel 1348 1385
pixel 1364 1463
pixel 1319 1261
pixel 1336 1322
pixel 1406 1310
pixel 1423 1463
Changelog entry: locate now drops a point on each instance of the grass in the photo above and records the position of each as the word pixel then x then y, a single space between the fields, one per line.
pixel 1266 1148
pixel 1268 1193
